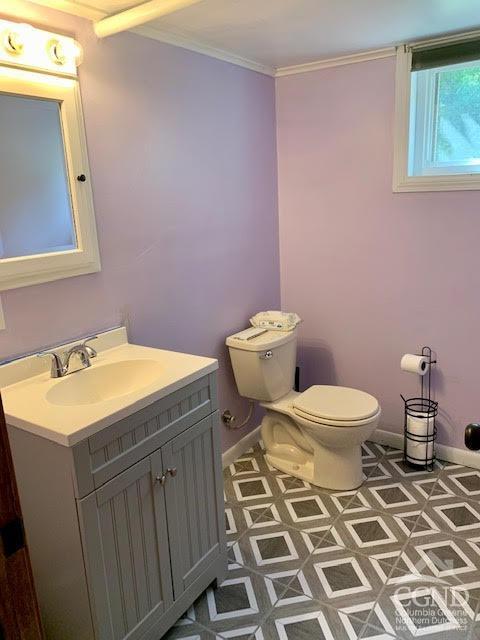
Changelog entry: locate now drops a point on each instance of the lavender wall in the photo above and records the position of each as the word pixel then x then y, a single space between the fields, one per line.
pixel 374 274
pixel 183 159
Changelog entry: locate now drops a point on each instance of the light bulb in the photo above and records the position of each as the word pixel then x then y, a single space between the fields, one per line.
pixel 62 50
pixel 72 50
pixel 14 39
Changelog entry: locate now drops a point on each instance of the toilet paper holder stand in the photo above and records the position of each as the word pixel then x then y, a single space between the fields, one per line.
pixel 419 445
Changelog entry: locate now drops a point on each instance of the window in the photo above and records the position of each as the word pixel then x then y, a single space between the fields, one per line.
pixel 437 138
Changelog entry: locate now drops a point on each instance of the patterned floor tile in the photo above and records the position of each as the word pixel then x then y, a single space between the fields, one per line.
pixel 380 627
pixel 462 481
pixel 400 470
pixel 362 612
pixel 416 524
pixel 310 620
pixel 440 556
pixel 289 485
pixel 371 633
pixel 277 547
pixel 372 454
pixel 379 472
pixel 373 532
pixel 468 595
pixel 392 451
pixel 455 515
pixel 234 556
pixel 349 501
pixel 306 509
pixel 241 601
pixel 394 496
pixel 189 631
pixel 243 467
pixel 249 464
pixel 239 518
pixel 249 632
pixel 396 558
pixel 475 630
pixel 252 490
pixel 373 451
pixel 342 576
pixel 432 488
pixel 423 610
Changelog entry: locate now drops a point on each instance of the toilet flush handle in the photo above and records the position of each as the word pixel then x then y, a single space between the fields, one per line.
pixel 267 355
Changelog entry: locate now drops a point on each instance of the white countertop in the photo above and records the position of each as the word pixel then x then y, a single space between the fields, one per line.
pixel 27 406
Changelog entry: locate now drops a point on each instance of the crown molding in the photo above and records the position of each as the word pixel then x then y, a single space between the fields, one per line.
pixel 456 36
pixel 178 39
pixel 186 42
pixel 363 56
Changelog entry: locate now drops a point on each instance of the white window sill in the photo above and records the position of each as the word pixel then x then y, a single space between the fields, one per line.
pixel 436 183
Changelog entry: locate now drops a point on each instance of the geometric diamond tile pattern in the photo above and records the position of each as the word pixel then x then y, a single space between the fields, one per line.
pixel 399 557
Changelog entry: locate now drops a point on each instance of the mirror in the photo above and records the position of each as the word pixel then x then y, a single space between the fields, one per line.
pixel 36 214
pixel 47 219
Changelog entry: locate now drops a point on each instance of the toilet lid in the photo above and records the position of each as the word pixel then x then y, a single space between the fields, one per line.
pixel 336 403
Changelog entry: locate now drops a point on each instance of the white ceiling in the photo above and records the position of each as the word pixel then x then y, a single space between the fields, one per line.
pixel 279 33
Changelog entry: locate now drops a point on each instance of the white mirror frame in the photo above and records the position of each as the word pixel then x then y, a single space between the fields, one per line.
pixel 28 270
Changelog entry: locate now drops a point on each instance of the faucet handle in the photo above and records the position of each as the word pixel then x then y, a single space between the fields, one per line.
pixel 90 350
pixel 58 368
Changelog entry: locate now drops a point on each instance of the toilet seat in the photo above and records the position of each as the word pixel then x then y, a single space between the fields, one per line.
pixel 336 406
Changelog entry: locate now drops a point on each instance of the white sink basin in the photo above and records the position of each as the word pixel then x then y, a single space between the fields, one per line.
pixel 104 382
pixel 122 379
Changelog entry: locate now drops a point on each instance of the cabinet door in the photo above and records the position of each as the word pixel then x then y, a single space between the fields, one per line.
pixel 194 497
pixel 125 540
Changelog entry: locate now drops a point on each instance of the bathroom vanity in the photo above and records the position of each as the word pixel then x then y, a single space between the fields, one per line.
pixel 122 495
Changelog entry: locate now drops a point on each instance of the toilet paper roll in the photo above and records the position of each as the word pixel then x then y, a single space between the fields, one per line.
pixel 414 364
pixel 420 425
pixel 419 450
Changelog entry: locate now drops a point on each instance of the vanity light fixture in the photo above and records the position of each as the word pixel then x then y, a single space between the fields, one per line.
pixel 14 39
pixel 33 49
pixel 61 51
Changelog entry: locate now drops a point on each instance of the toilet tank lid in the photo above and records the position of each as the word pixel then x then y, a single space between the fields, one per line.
pixel 258 339
pixel 336 403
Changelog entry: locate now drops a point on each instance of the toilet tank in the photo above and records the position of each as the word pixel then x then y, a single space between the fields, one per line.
pixel 263 362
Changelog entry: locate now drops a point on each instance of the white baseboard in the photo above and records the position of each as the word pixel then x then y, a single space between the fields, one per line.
pixel 450 454
pixel 381 436
pixel 388 438
pixel 239 448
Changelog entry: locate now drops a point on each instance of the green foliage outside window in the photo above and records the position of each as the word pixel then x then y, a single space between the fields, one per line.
pixel 457 126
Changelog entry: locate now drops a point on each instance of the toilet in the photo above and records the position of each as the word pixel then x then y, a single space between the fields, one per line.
pixel 315 435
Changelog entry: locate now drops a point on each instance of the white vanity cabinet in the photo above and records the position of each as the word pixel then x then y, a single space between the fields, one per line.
pixel 126 528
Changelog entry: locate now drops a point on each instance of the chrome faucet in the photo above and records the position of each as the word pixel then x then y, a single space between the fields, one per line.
pixel 61 365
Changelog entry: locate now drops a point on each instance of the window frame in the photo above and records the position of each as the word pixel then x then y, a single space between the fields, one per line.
pixel 404 101
pixel 85 258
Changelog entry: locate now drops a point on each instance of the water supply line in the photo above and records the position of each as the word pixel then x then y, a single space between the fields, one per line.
pixel 228 418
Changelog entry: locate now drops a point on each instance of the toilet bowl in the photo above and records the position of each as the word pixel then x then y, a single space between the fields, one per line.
pixel 315 435
pixel 317 448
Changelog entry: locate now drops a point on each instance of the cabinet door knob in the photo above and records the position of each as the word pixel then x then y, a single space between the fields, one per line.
pixel 172 471
pixel 161 479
